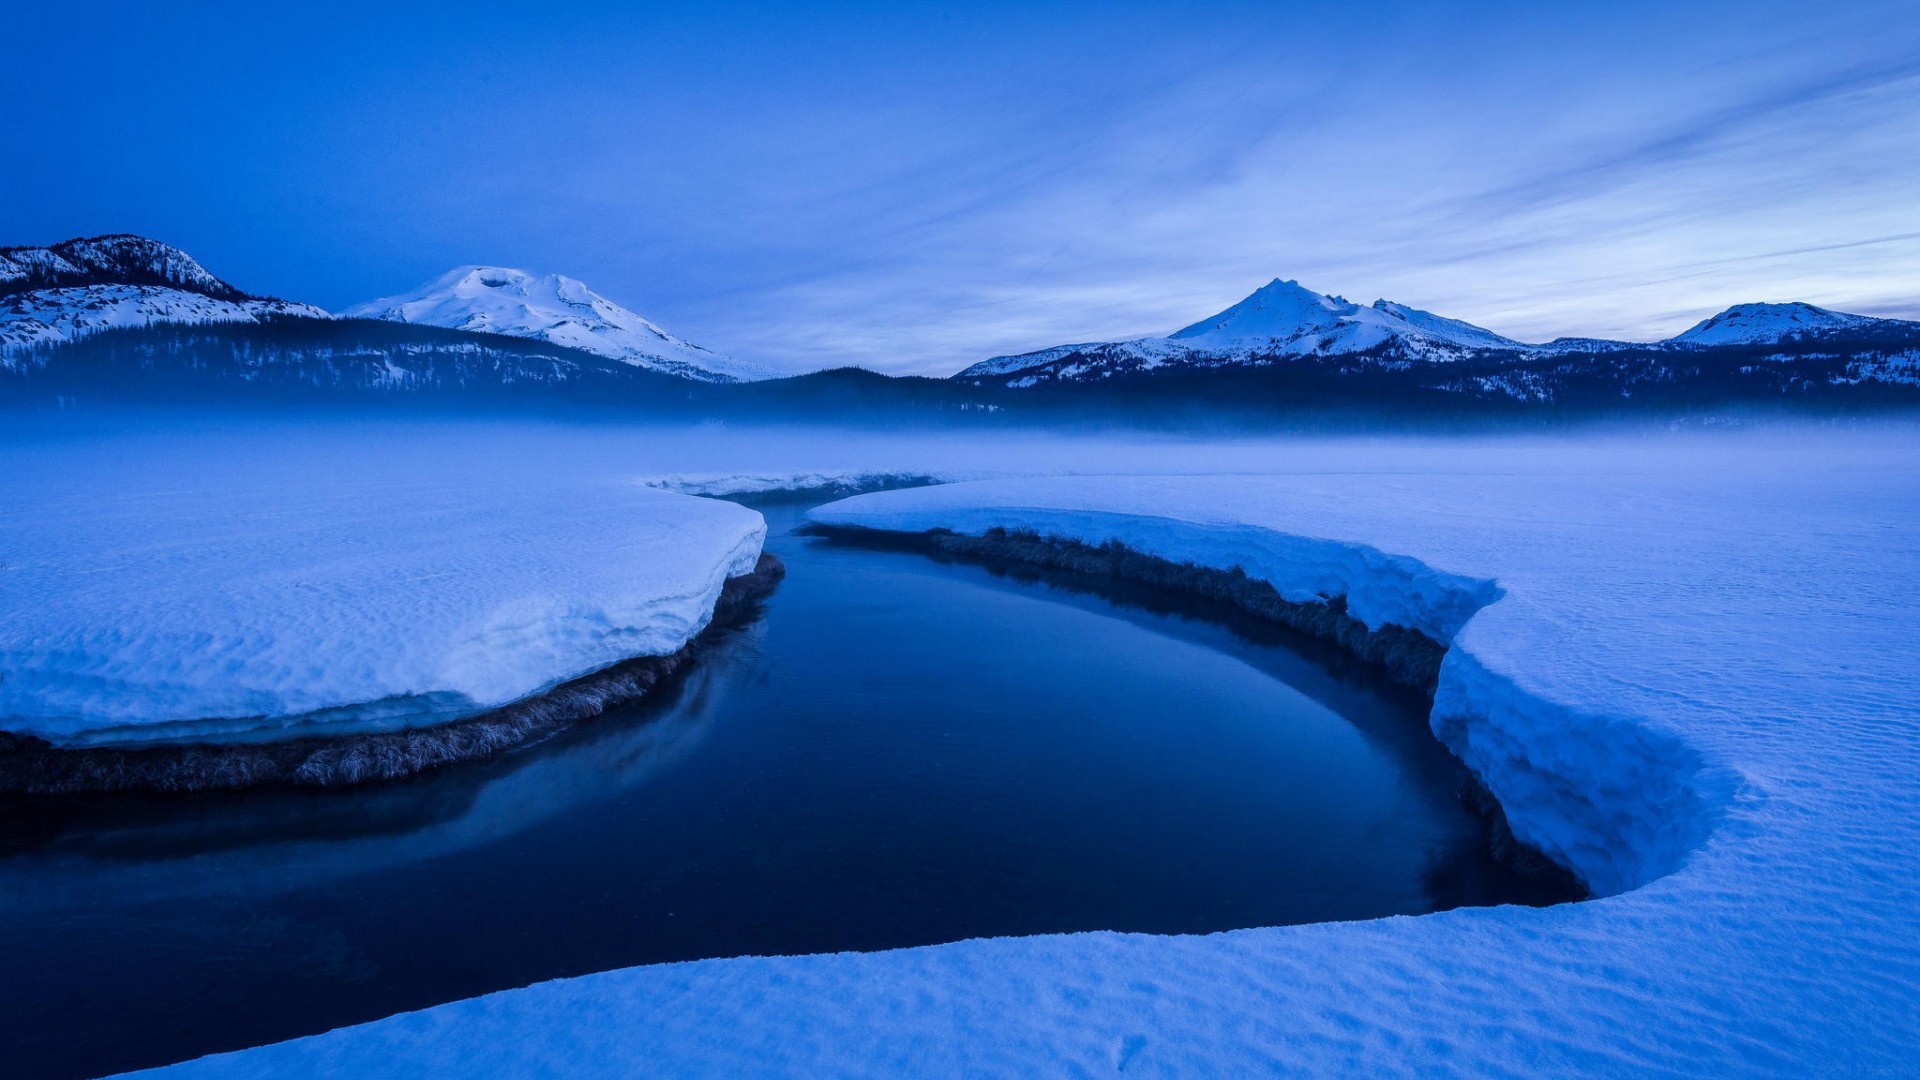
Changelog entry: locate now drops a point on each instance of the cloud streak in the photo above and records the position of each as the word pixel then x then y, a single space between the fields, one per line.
pixel 913 190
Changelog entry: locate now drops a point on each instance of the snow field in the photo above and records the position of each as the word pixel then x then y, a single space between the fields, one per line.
pixel 341 601
pixel 1686 673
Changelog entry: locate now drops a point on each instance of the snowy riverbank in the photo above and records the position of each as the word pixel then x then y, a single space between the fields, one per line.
pixel 307 600
pixel 1685 671
pixel 345 753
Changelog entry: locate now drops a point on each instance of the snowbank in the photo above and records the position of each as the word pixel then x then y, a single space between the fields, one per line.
pixel 1690 679
pixel 327 603
pixel 818 485
pixel 1545 760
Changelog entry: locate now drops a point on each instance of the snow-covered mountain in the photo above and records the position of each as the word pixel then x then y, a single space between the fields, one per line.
pixel 1283 318
pixel 50 295
pixel 568 340
pixel 1765 324
pixel 555 309
pixel 119 259
pixel 1282 321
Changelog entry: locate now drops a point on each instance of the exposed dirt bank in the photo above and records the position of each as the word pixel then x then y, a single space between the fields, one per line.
pixel 1406 656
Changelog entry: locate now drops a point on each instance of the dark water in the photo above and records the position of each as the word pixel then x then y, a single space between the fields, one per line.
pixel 900 752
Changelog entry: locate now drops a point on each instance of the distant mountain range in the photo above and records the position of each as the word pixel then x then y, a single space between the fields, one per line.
pixel 1285 323
pixel 60 294
pixel 124 317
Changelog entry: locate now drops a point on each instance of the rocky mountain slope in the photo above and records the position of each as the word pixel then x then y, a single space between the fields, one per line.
pixel 56 294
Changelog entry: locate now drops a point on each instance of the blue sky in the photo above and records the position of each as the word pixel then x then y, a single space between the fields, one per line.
pixel 913 188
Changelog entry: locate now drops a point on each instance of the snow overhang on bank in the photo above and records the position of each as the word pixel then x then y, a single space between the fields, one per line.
pixel 232 615
pixel 782 486
pixel 1606 795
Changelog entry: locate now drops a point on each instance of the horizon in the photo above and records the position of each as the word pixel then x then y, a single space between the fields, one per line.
pixel 941 192
pixel 831 540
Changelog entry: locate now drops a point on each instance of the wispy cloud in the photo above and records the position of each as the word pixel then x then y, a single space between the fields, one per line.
pixel 910 190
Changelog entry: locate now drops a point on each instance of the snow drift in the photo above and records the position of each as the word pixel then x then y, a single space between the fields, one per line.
pixel 339 603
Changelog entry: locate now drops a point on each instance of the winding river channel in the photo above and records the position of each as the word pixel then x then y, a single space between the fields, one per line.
pixel 899 751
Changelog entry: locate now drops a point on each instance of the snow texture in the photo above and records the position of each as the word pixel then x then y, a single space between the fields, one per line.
pixel 1686 674
pixel 1282 318
pixel 115 259
pixel 828 483
pixel 556 309
pixel 51 295
pixel 349 602
pixel 1766 324
pixel 53 316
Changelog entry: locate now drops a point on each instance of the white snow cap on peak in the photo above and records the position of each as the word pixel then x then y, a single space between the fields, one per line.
pixel 1284 312
pixel 1751 324
pixel 1278 309
pixel 552 308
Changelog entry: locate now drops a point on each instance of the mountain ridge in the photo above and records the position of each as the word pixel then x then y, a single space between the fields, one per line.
pixel 1754 324
pixel 61 292
pixel 1284 320
pixel 98 327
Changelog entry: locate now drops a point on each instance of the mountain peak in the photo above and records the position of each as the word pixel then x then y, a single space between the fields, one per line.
pixel 552 308
pixel 113 259
pixel 1278 309
pixel 1749 324
pixel 1285 313
pixel 65 291
pixel 489 277
pixel 1279 319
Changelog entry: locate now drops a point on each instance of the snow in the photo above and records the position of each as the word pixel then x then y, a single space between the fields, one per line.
pixel 1685 666
pixel 53 316
pixel 1590 345
pixel 825 482
pixel 1450 331
pixel 1766 324
pixel 51 295
pixel 1140 353
pixel 316 593
pixel 1283 317
pixel 1899 368
pixel 557 309
pixel 119 258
